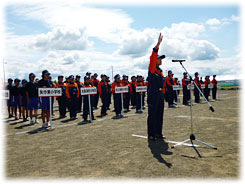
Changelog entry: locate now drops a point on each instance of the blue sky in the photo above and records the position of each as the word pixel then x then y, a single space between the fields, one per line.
pixel 74 38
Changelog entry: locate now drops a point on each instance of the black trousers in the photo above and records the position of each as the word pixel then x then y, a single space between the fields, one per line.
pixel 86 107
pixel 104 99
pixel 138 101
pixel 126 100
pixel 197 95
pixel 133 98
pixel 170 96
pixel 206 92
pixel 96 100
pixel 62 105
pixel 72 103
pixel 79 103
pixel 108 100
pixel 155 102
pixel 214 92
pixel 117 103
pixel 186 94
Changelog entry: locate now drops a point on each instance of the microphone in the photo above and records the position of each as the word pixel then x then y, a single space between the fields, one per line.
pixel 179 60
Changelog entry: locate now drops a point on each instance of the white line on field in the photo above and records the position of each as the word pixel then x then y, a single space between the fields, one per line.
pixel 173 142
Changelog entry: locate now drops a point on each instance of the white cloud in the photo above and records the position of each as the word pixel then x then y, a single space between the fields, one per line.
pixel 63 39
pixel 106 24
pixel 215 23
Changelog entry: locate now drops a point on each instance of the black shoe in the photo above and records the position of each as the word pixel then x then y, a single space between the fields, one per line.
pixel 93 119
pixel 139 112
pixel 151 138
pixel 172 106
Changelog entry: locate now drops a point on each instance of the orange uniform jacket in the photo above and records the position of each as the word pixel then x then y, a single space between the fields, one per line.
pixel 99 87
pixel 71 86
pixel 113 85
pixel 214 82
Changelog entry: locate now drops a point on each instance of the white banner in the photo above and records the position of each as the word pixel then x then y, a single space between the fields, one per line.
pixel 188 87
pixel 5 94
pixel 141 89
pixel 176 87
pixel 47 92
pixel 88 91
pixel 210 86
pixel 122 89
pixel 202 86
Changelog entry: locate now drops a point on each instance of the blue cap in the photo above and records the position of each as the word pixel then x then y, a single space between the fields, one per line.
pixel 24 80
pixel 16 80
pixel 45 72
pixel 86 77
pixel 71 77
pixel 125 77
pixel 196 73
pixel 60 76
pixel 184 73
pixel 10 79
pixel 78 76
pixel 32 75
pixel 95 74
pixel 88 73
pixel 117 76
pixel 170 71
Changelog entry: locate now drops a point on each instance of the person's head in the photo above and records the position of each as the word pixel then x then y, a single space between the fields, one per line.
pixel 159 60
pixel 78 78
pixel 196 74
pixel 103 77
pixel 10 81
pixel 45 74
pixel 86 79
pixel 214 76
pixel 37 79
pixel 24 82
pixel 71 79
pixel 88 74
pixel 133 78
pixel 50 78
pixel 185 75
pixel 170 73
pixel 125 78
pixel 17 82
pixel 60 78
pixel 117 78
pixel 95 76
pixel 32 77
pixel 200 78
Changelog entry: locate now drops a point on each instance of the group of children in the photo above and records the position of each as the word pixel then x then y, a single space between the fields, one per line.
pixel 25 98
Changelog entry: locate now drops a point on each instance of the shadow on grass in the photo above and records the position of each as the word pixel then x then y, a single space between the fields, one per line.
pixel 22 126
pixel 39 130
pixel 160 147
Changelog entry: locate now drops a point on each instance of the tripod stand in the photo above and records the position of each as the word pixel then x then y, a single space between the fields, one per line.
pixel 192 136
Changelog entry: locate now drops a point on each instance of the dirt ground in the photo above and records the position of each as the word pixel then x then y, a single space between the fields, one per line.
pixel 107 149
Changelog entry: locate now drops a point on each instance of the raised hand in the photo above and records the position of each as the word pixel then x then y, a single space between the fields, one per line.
pixel 159 40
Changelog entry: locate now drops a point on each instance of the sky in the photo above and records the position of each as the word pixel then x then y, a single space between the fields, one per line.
pixel 73 38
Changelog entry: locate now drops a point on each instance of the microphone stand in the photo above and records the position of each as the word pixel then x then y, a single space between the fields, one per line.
pixel 192 136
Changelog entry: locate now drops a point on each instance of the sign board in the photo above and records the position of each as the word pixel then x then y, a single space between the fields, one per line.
pixel 47 92
pixel 5 94
pixel 210 86
pixel 202 86
pixel 122 89
pixel 88 91
pixel 176 87
pixel 141 89
pixel 190 87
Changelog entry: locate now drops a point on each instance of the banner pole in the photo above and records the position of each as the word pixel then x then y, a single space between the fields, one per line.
pixel 122 103
pixel 50 113
pixel 141 101
pixel 90 113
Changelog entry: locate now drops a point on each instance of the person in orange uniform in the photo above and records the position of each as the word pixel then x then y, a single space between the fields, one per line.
pixel 196 91
pixel 186 92
pixel 155 95
pixel 169 89
pixel 109 92
pixel 103 92
pixel 117 96
pixel 126 96
pixel 86 102
pixel 80 99
pixel 72 94
pixel 206 89
pixel 62 99
pixel 133 92
pixel 138 95
pixel 214 90
pixel 95 83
